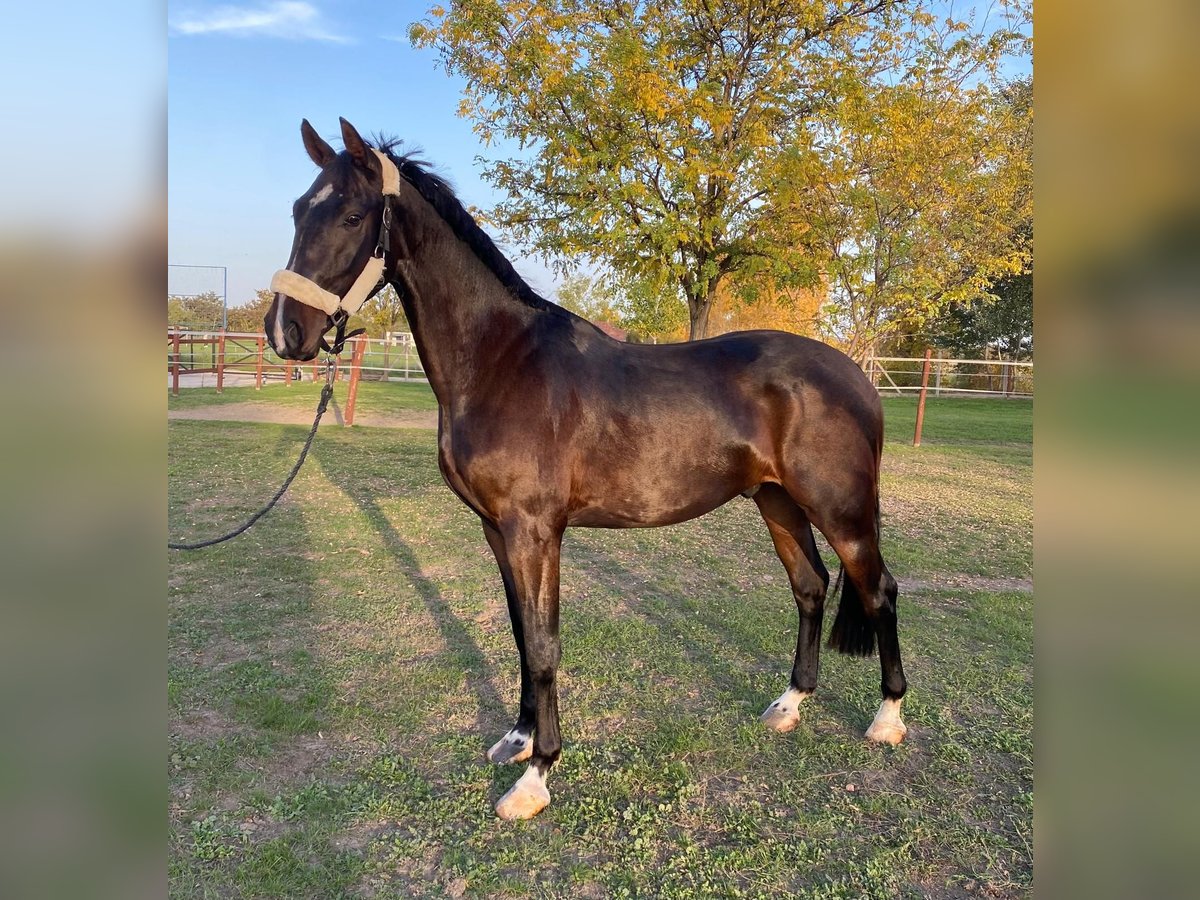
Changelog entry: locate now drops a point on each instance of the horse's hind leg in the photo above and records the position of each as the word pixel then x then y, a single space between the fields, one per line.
pixel 797 550
pixel 888 727
pixel 517 745
pixel 866 614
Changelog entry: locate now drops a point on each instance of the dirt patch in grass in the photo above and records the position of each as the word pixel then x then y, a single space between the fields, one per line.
pixel 206 725
pixel 357 837
pixel 280 415
pixel 297 761
pixel 964 581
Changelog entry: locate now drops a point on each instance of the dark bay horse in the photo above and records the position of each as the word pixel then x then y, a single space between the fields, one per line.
pixel 545 423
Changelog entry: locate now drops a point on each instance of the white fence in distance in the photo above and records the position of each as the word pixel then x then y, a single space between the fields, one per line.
pixel 951 377
pixel 394 358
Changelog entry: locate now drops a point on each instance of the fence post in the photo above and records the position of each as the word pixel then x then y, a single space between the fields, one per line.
pixel 287 373
pixel 937 376
pixel 921 401
pixel 360 345
pixel 259 364
pixel 175 363
pixel 221 362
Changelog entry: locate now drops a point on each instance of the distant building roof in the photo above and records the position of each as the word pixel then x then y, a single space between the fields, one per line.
pixel 612 330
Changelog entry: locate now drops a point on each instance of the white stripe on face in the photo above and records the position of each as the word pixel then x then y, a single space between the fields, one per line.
pixel 321 196
pixel 279 342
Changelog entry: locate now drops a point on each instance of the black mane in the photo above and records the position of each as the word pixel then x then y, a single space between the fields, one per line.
pixel 441 196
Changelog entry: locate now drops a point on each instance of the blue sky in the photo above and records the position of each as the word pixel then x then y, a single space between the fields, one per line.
pixel 243 75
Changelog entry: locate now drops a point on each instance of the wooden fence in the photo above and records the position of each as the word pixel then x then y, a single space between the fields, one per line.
pixel 395 359
pixel 243 355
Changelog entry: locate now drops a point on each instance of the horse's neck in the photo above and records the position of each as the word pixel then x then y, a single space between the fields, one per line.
pixel 462 318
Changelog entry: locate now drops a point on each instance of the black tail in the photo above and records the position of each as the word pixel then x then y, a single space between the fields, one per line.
pixel 852 632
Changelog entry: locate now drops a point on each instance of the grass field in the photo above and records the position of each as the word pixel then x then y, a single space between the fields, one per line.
pixel 373 396
pixel 336 674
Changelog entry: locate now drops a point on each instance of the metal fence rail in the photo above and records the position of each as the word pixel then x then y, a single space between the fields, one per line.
pixel 949 377
pixel 246 357
pixel 239 353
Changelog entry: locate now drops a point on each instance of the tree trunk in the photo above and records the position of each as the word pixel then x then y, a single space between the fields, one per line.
pixel 700 306
pixel 698 318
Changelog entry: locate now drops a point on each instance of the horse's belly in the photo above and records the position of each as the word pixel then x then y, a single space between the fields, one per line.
pixel 661 483
pixel 650 509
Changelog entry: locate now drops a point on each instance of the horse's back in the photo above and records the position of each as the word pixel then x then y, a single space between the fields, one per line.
pixel 749 371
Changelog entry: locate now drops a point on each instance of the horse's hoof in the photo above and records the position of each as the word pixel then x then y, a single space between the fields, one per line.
pixel 780 718
pixel 784 714
pixel 887 734
pixel 888 727
pixel 526 798
pixel 514 747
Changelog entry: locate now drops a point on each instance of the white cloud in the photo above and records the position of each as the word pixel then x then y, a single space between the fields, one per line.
pixel 290 19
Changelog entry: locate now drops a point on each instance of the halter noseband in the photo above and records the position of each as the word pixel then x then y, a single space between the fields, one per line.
pixel 369 280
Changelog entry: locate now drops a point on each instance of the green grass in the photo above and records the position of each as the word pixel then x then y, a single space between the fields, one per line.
pixel 373 396
pixel 961 420
pixel 947 420
pixel 336 674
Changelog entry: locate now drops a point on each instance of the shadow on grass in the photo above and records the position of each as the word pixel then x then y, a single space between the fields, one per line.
pixel 732 654
pixel 491 713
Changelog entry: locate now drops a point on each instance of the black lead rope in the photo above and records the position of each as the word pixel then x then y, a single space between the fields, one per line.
pixel 326 394
pixel 340 318
pixel 340 336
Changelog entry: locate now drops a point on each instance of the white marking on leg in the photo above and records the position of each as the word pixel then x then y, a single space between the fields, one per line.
pixel 526 798
pixel 516 746
pixel 321 196
pixel 888 727
pixel 784 714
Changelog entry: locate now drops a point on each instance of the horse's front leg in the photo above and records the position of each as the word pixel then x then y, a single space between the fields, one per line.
pixel 533 554
pixel 517 745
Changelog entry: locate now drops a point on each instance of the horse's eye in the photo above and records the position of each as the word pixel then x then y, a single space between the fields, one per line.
pixel 353 220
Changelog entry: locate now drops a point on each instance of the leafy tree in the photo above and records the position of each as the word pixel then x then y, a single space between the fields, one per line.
pixel 249 316
pixel 202 311
pixel 1004 322
pixel 793 309
pixel 686 143
pixel 657 130
pixel 590 297
pixel 997 313
pixel 1003 317
pixel 927 183
pixel 382 313
pixel 651 308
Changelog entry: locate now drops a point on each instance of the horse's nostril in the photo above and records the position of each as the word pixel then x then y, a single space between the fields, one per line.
pixel 292 334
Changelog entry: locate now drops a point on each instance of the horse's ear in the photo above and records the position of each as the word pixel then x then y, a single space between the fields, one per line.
pixel 318 150
pixel 356 146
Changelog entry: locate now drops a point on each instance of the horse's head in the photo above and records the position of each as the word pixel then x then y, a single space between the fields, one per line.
pixel 337 226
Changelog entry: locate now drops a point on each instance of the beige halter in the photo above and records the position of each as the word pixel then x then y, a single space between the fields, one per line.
pixel 310 293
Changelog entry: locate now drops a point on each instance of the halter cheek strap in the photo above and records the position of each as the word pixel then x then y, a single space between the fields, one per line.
pixel 310 293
